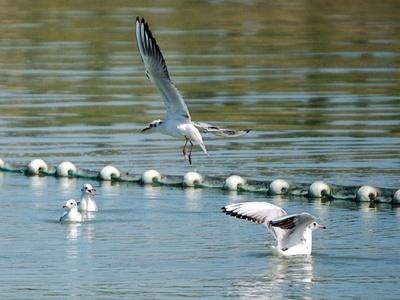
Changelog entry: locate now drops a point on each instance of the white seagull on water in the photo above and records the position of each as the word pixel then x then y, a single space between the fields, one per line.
pixel 72 214
pixel 293 233
pixel 87 202
pixel 178 122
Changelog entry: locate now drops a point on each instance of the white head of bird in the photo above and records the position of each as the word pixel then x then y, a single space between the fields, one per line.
pixel 87 190
pixel 70 204
pixel 153 126
pixel 314 225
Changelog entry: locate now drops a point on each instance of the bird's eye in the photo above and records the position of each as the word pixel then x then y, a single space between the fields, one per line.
pixel 151 125
pixel 86 188
pixel 315 224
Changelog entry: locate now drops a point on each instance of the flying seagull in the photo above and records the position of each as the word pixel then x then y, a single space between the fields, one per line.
pixel 178 122
pixel 293 233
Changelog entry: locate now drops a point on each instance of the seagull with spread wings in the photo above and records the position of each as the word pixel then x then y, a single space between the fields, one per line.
pixel 178 122
pixel 293 233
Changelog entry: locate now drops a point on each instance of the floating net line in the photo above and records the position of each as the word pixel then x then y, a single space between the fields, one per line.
pixel 317 189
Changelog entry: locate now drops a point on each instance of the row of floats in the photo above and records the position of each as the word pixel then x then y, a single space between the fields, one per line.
pixel 318 189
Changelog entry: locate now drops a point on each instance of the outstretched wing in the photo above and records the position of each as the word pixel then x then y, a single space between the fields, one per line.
pixel 293 227
pixel 156 70
pixel 225 132
pixel 258 212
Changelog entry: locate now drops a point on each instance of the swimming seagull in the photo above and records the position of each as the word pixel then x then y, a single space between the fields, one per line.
pixel 87 203
pixel 178 122
pixel 72 214
pixel 293 233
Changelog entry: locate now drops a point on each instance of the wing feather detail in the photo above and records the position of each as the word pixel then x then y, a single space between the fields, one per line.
pixel 290 222
pixel 157 71
pixel 258 212
pixel 224 132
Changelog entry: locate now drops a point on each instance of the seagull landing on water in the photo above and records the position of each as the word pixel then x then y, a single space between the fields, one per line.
pixel 293 233
pixel 178 122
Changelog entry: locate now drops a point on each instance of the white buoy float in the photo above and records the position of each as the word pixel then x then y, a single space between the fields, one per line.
pixel 150 176
pixel 66 169
pixel 2 163
pixel 36 166
pixel 109 172
pixel 233 182
pixel 396 197
pixel 367 193
pixel 319 189
pixel 278 187
pixel 191 179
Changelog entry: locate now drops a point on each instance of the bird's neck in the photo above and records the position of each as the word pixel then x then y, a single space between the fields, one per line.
pixel 73 210
pixel 308 238
pixel 86 197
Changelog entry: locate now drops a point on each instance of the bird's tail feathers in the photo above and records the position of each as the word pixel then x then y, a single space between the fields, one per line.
pixel 218 131
pixel 196 136
pixel 203 148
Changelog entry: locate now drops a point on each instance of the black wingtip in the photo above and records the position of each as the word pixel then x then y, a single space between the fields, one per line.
pixel 141 20
pixel 247 130
pixel 150 48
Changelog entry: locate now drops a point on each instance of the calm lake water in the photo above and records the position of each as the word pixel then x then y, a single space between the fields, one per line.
pixel 169 243
pixel 319 83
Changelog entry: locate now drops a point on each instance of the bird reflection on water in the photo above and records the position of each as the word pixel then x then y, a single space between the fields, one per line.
pixel 279 273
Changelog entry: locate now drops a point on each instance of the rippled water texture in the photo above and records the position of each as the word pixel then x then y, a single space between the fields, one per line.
pixel 169 243
pixel 319 83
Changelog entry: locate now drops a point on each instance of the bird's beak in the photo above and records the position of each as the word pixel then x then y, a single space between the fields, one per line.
pixel 64 206
pixel 321 226
pixel 145 129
